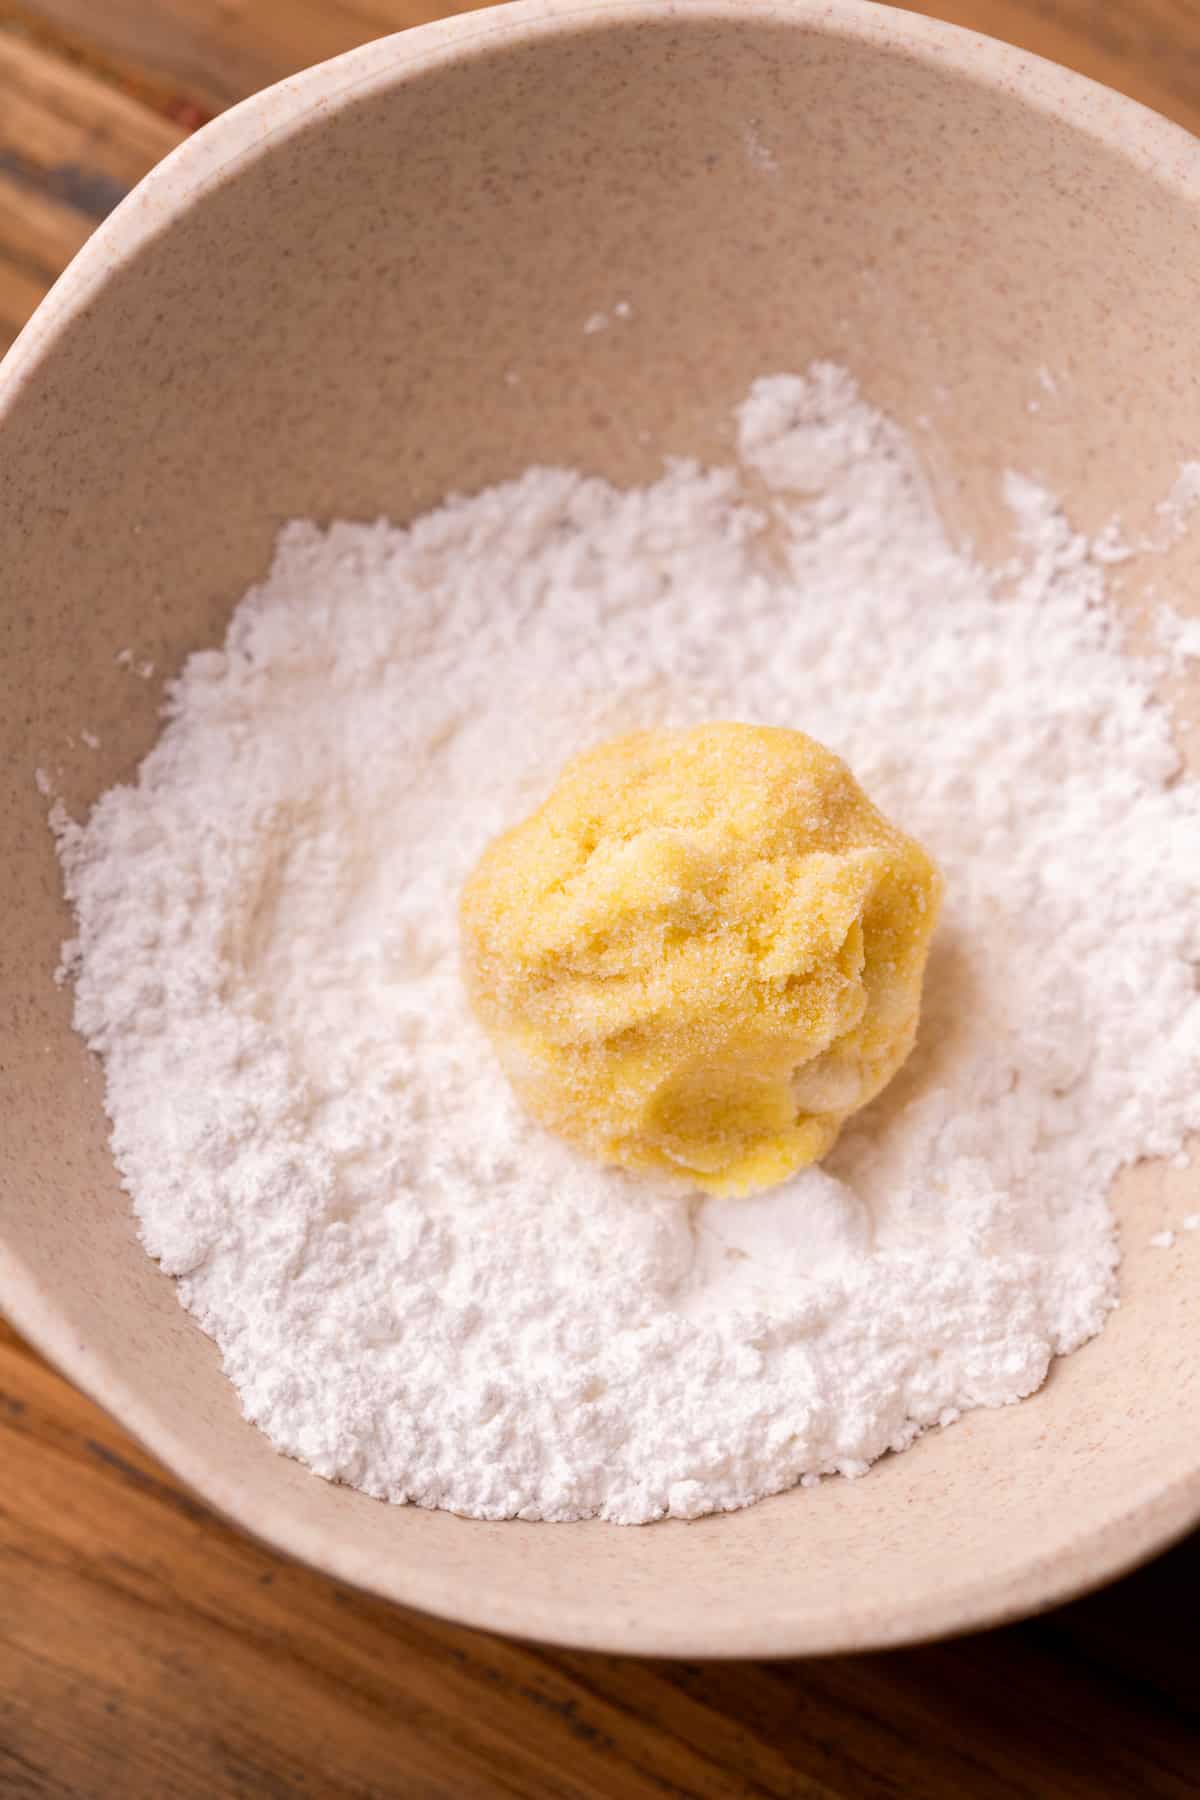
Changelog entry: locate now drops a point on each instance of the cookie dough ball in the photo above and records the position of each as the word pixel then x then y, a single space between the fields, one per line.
pixel 702 953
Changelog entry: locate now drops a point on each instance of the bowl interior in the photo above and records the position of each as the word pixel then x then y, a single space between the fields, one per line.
pixel 312 310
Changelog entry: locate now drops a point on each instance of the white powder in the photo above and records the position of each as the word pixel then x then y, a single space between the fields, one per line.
pixel 759 155
pixel 1177 509
pixel 1179 637
pixel 142 667
pixel 413 1288
pixel 600 321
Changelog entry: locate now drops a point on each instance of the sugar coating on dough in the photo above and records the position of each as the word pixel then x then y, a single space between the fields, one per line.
pixel 702 953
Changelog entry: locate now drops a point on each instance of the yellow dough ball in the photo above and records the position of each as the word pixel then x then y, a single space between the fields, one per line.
pixel 702 953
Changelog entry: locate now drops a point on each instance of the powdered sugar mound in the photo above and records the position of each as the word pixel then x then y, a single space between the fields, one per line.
pixel 1179 637
pixel 414 1289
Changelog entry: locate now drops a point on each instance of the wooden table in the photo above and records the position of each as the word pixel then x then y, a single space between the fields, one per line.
pixel 146 1649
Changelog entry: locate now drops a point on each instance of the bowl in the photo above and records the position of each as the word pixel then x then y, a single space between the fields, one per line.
pixel 309 309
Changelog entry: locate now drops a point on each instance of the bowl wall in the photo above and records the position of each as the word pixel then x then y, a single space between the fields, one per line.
pixel 312 309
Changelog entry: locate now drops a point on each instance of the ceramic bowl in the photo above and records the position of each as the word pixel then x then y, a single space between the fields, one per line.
pixel 310 308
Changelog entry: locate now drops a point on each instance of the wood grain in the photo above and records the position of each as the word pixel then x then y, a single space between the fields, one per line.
pixel 147 1648
pixel 217 51
pixel 220 50
pixel 72 143
pixel 1149 49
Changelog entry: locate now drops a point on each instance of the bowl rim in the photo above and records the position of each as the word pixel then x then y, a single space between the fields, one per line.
pixel 1150 1521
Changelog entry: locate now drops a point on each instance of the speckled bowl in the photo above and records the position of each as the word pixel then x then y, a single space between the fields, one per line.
pixel 310 308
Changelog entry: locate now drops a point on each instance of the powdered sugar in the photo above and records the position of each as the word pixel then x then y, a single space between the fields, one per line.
pixel 415 1290
pixel 1178 637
